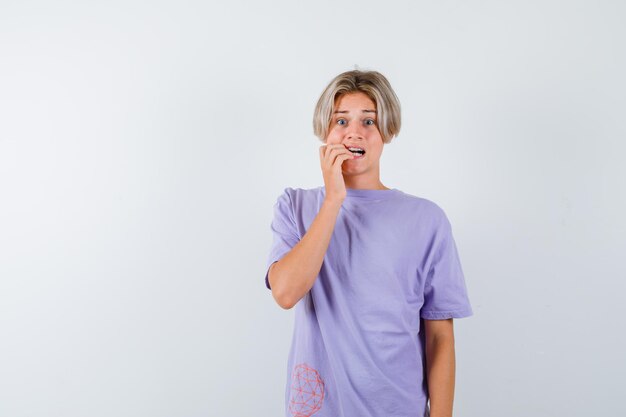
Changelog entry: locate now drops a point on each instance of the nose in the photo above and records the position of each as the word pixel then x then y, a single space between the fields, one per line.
pixel 354 132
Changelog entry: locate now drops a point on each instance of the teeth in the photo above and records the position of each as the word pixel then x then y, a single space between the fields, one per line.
pixel 355 149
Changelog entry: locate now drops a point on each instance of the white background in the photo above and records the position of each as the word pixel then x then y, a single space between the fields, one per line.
pixel 144 143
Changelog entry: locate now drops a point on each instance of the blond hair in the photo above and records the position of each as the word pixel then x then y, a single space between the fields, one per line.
pixel 375 86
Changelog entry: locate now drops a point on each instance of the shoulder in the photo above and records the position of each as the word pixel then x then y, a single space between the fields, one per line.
pixel 299 194
pixel 425 208
pixel 293 191
pixel 298 198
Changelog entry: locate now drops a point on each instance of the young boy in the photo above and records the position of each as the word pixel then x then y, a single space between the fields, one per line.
pixel 374 272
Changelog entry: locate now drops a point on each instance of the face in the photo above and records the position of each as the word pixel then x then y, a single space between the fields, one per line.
pixel 354 123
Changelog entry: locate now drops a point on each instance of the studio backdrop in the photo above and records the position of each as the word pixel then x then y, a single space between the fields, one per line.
pixel 144 144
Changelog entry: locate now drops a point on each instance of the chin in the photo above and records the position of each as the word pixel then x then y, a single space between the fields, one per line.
pixel 353 171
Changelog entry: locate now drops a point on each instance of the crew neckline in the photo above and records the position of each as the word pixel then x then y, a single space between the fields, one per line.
pixel 369 193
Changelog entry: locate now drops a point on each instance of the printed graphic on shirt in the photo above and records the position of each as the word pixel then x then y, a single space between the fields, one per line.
pixel 307 391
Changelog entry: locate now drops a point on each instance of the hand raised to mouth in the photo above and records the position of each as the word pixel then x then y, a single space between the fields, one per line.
pixel 332 156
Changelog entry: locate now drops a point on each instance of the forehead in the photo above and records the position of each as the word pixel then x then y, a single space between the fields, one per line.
pixel 354 101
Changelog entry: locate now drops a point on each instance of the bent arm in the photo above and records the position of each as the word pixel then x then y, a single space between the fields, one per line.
pixel 294 274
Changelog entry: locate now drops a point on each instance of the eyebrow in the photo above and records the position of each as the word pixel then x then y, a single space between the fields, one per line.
pixel 346 111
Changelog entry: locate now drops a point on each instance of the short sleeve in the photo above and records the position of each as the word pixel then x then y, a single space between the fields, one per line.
pixel 284 232
pixel 445 292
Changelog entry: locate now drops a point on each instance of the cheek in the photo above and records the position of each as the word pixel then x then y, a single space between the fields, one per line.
pixel 333 137
pixel 376 151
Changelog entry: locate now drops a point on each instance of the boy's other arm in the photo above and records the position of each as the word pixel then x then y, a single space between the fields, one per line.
pixel 294 274
pixel 440 364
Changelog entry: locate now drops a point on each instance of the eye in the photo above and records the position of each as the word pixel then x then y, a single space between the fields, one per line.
pixel 340 120
pixel 370 120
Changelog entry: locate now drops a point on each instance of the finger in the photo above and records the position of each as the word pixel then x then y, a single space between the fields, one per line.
pixel 340 158
pixel 336 147
pixel 326 147
pixel 339 162
pixel 340 151
pixel 332 150
pixel 326 154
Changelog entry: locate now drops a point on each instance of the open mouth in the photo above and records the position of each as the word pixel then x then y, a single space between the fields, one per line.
pixel 356 150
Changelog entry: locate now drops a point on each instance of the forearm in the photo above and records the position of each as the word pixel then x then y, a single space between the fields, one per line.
pixel 294 275
pixel 440 360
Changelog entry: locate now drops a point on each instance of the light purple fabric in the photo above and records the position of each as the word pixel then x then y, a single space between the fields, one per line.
pixel 358 343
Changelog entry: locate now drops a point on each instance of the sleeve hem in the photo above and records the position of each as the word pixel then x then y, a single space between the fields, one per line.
pixel 267 275
pixel 267 271
pixel 440 315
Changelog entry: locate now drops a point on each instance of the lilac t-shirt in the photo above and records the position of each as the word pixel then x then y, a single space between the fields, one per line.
pixel 358 343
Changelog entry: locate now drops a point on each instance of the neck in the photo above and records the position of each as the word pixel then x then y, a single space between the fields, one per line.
pixel 364 185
